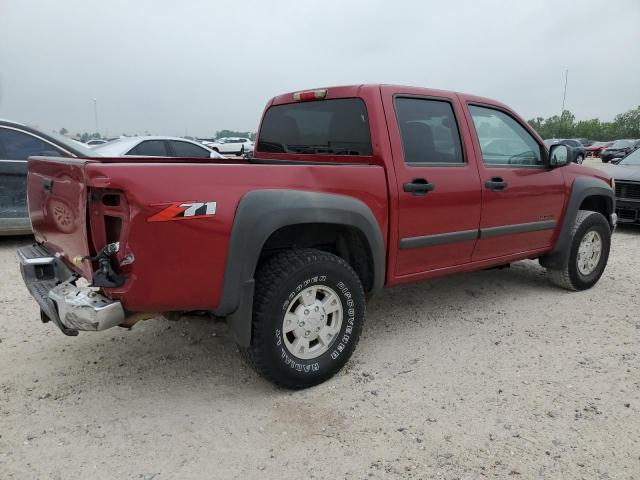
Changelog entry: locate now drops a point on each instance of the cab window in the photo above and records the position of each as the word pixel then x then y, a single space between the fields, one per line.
pixel 327 127
pixel 503 141
pixel 429 131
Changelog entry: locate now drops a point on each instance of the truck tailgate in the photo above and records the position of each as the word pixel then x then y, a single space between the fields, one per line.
pixel 57 198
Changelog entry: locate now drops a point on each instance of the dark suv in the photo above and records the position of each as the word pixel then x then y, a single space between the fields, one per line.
pixel 580 152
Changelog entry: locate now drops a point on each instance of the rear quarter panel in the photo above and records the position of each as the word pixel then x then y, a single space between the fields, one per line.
pixel 179 265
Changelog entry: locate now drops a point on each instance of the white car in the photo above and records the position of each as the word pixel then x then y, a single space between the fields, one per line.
pixel 155 147
pixel 233 145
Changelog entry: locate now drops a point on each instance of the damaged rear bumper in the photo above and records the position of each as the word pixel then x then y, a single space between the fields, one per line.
pixel 70 307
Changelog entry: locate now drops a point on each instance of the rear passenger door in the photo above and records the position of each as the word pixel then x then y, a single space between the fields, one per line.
pixel 438 186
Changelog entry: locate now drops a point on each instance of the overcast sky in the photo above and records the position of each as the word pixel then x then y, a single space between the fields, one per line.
pixel 194 67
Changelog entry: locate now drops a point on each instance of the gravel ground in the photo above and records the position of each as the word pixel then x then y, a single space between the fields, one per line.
pixel 483 375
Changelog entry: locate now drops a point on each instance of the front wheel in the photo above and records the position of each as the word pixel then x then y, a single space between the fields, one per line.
pixel 308 312
pixel 588 254
pixel 580 159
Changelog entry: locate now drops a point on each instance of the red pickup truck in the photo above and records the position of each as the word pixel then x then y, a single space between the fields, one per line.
pixel 350 189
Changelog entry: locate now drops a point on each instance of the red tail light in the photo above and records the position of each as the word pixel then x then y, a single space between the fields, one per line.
pixel 310 95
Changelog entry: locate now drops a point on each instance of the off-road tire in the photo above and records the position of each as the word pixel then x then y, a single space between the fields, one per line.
pixel 569 277
pixel 278 280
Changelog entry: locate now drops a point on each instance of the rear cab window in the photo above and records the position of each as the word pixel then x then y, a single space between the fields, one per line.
pixel 325 127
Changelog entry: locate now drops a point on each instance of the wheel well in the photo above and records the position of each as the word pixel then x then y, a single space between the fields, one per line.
pixel 348 243
pixel 597 203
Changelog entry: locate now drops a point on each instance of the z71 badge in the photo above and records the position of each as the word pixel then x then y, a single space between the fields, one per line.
pixel 184 211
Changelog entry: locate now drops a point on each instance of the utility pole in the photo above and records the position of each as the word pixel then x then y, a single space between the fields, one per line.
pixel 95 113
pixel 564 95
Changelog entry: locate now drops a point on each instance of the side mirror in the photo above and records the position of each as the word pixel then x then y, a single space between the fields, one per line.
pixel 560 155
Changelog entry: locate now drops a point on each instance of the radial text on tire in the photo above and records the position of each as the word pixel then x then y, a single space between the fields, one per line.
pixel 308 312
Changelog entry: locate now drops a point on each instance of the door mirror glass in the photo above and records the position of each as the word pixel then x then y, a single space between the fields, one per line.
pixel 559 155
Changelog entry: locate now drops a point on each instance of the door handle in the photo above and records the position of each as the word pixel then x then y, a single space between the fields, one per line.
pixel 496 184
pixel 418 186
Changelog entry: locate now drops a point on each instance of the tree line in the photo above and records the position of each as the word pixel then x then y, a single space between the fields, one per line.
pixel 624 125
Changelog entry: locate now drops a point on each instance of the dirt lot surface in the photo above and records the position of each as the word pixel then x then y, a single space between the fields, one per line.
pixel 484 375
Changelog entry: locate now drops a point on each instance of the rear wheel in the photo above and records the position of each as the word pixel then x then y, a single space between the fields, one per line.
pixel 588 255
pixel 308 313
pixel 580 159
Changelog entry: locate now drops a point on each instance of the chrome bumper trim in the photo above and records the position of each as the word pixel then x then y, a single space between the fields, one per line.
pixel 85 309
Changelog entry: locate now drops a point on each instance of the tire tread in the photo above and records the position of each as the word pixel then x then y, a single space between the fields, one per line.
pixel 268 279
pixel 561 277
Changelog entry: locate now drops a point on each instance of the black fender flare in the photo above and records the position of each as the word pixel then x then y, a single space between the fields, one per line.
pixel 582 188
pixel 262 212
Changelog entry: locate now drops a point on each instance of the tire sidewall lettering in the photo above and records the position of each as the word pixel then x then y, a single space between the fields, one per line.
pixel 344 336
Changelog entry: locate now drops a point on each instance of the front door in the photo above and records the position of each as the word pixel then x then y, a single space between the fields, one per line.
pixel 522 198
pixel 438 187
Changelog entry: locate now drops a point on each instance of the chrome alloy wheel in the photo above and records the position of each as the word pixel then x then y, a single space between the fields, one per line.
pixel 589 252
pixel 312 322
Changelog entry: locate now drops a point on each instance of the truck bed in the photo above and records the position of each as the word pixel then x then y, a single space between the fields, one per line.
pixel 119 196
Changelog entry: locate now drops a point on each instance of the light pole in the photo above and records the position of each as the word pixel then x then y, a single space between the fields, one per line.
pixel 95 113
pixel 564 95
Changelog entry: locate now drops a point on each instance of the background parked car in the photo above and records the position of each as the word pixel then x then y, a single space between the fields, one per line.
pixel 593 150
pixel 154 146
pixel 580 151
pixel 618 149
pixel 233 145
pixel 627 176
pixel 17 143
pixel 584 141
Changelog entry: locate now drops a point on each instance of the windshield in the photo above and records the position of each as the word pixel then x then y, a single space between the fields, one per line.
pixel 73 144
pixel 621 144
pixel 327 127
pixel 631 159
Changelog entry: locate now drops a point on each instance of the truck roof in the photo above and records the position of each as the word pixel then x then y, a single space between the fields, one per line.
pixel 338 91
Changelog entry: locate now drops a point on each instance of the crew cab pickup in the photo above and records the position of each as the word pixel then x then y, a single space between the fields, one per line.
pixel 350 189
